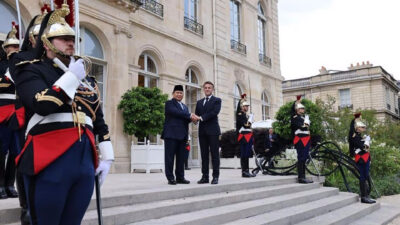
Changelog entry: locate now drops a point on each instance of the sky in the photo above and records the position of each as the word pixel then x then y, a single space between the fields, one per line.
pixel 337 33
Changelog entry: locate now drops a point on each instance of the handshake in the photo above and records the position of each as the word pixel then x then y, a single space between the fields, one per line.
pixel 194 118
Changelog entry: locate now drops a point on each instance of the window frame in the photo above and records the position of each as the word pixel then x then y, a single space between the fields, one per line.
pixel 342 103
pixel 233 20
pixel 261 31
pixel 265 104
pixel 189 14
pixel 147 74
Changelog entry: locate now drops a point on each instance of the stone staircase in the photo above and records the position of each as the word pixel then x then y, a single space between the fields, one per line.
pixel 260 200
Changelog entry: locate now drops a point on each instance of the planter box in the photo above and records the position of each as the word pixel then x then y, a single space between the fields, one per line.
pixel 147 157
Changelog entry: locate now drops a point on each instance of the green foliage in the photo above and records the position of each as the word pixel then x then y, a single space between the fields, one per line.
pixel 283 117
pixel 143 111
pixel 388 133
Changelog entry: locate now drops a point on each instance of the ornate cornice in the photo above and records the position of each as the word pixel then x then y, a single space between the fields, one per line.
pixel 123 30
pixel 129 5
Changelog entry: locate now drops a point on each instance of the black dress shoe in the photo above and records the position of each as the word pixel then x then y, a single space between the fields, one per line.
pixel 367 200
pixel 11 192
pixel 305 181
pixel 247 174
pixel 25 217
pixel 3 194
pixel 203 180
pixel 182 181
pixel 187 168
pixel 171 182
pixel 214 180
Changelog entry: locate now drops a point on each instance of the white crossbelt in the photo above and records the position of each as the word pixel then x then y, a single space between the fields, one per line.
pixel 53 118
pixel 298 131
pixel 8 96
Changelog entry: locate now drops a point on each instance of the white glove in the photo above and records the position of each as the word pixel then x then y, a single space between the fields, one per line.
pixel 358 150
pixel 251 116
pixel 77 68
pixel 307 120
pixel 367 140
pixel 103 169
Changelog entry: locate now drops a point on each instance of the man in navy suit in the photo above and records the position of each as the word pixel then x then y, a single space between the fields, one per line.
pixel 207 109
pixel 175 135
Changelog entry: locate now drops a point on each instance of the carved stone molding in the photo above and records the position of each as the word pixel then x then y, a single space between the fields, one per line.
pixel 124 30
pixel 130 5
pixel 266 84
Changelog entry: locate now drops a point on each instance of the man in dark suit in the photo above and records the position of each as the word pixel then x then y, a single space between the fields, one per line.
pixel 207 109
pixel 175 135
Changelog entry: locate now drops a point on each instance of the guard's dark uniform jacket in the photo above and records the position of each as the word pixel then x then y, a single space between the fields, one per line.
pixel 362 156
pixel 12 114
pixel 58 121
pixel 245 134
pixel 301 135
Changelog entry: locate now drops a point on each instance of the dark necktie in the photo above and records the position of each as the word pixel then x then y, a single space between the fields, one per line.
pixel 206 100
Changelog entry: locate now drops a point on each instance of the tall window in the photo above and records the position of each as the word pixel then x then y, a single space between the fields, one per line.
pixel 148 76
pixel 345 98
pixel 193 91
pixel 235 20
pixel 261 30
pixel 265 106
pixel 191 9
pixel 387 91
pixel 91 47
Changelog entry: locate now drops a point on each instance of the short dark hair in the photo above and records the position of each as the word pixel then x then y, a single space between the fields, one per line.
pixel 208 82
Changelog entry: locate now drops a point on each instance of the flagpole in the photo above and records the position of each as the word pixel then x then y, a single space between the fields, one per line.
pixel 77 29
pixel 52 5
pixel 19 23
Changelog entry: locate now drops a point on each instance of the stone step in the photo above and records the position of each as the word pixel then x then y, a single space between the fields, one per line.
pixel 384 215
pixel 128 197
pixel 152 210
pixel 232 212
pixel 345 215
pixel 300 212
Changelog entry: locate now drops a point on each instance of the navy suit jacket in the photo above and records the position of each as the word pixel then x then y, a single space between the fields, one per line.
pixel 176 125
pixel 209 113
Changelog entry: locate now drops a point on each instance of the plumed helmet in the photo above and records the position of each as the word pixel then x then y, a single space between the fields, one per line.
pixel 298 104
pixel 12 36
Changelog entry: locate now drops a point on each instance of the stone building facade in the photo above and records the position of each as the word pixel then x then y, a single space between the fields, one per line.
pixel 363 86
pixel 233 43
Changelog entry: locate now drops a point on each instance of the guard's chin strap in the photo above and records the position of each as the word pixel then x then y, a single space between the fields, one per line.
pixel 52 47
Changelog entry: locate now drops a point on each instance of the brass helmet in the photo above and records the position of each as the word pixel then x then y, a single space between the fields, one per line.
pixel 297 104
pixel 57 27
pixel 34 31
pixel 12 36
pixel 358 121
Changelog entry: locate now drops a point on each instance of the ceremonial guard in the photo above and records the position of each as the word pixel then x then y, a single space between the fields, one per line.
pixel 245 135
pixel 59 159
pixel 300 124
pixel 360 150
pixel 8 119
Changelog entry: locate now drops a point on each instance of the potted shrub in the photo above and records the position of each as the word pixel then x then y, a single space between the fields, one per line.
pixel 143 113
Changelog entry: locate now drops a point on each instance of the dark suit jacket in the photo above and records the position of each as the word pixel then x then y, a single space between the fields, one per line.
pixel 176 121
pixel 209 112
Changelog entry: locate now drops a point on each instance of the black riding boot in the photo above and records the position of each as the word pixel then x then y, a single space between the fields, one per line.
pixel 364 195
pixel 301 170
pixel 244 163
pixel 25 217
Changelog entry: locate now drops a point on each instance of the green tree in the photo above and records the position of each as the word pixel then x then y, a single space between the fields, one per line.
pixel 143 111
pixel 284 114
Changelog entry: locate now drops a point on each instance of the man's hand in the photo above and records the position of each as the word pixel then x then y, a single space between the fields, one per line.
pixel 194 118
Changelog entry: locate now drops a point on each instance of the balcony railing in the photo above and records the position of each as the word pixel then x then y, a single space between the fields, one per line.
pixel 388 106
pixel 153 6
pixel 193 26
pixel 346 106
pixel 265 59
pixel 237 46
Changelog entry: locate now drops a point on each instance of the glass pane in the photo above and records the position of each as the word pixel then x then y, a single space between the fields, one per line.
pixel 92 44
pixel 141 80
pixel 151 66
pixel 187 8
pixel 7 15
pixel 194 78
pixel 97 71
pixel 187 75
pixel 153 82
pixel 141 62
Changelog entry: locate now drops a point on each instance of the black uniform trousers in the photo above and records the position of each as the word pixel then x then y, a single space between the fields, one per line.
pixel 174 148
pixel 209 144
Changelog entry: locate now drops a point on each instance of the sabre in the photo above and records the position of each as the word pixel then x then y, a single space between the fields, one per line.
pixel 315 167
pixel 19 22
pixel 61 65
pixel 52 5
pixel 98 199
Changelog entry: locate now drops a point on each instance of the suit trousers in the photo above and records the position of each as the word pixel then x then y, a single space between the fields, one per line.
pixel 209 144
pixel 174 148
